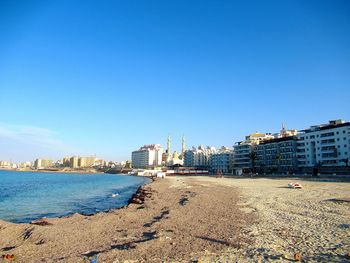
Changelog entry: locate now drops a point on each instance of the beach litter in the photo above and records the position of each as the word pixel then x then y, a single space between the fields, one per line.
pixel 9 257
pixel 94 259
pixel 295 185
pixel 40 222
pixel 297 256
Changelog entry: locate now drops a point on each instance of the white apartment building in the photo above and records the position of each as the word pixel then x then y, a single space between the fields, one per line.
pixel 324 145
pixel 222 161
pixel 199 157
pixel 148 156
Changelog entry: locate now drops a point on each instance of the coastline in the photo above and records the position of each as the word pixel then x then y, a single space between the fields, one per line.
pixel 222 218
pixel 70 171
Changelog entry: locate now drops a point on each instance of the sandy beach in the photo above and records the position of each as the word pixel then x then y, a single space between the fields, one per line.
pixel 199 219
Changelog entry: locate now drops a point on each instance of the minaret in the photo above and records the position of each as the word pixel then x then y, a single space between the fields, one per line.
pixel 283 131
pixel 168 147
pixel 183 146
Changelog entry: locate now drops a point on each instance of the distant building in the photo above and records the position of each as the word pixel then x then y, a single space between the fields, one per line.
pixel 242 157
pixel 257 137
pixel 42 163
pixel 169 159
pixel 148 156
pixel 25 164
pixel 277 155
pixel 175 160
pixel 222 161
pixel 324 145
pixel 66 162
pixel 102 163
pixel 86 162
pixel 199 157
pixel 5 164
pixel 74 162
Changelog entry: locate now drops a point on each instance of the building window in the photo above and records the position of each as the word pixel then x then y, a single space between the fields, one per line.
pixel 337 132
pixel 345 145
pixel 344 131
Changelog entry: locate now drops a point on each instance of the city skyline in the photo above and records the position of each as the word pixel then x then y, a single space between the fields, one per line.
pixel 84 78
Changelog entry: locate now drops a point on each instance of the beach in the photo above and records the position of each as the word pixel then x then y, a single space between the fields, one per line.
pixel 205 219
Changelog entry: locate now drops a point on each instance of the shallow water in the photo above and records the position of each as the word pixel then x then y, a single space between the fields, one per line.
pixel 25 196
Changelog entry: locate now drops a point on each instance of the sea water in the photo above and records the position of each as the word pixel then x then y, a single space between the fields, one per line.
pixel 26 196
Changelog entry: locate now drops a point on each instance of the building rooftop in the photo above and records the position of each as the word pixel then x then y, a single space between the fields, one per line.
pixel 331 125
pixel 282 139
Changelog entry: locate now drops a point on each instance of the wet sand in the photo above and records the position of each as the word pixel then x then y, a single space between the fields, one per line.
pixel 203 219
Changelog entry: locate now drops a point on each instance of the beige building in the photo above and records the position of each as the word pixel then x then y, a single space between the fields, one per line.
pixel 257 137
pixel 5 164
pixel 85 162
pixel 74 162
pixel 42 163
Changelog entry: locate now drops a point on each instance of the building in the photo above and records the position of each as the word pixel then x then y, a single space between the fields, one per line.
pixel 175 160
pixel 169 159
pixel 85 162
pixel 199 157
pixel 276 155
pixel 243 158
pixel 222 161
pixel 257 137
pixel 5 164
pixel 66 162
pixel 25 164
pixel 74 162
pixel 324 145
pixel 148 156
pixel 42 163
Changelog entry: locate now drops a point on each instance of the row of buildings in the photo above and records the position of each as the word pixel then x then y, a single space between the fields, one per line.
pixel 325 145
pixel 289 151
pixel 153 156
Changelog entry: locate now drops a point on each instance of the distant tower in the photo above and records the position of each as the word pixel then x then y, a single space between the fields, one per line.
pixel 183 146
pixel 283 130
pixel 168 146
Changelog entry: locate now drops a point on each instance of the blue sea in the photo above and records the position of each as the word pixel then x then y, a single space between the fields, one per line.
pixel 26 196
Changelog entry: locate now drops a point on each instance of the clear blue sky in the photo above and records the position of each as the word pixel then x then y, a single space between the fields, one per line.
pixel 105 77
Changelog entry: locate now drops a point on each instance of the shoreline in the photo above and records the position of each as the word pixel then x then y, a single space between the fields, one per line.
pixel 137 192
pixel 222 219
pixel 53 171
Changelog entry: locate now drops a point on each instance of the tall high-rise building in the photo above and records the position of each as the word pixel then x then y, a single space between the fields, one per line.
pixel 148 156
